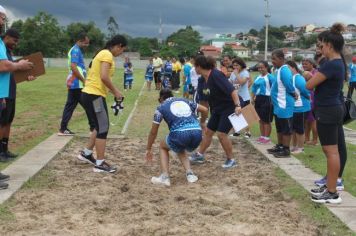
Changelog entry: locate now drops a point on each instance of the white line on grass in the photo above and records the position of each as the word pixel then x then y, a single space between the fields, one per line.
pixel 128 121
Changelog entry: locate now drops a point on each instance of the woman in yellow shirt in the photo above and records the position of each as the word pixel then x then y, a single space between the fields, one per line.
pixel 97 85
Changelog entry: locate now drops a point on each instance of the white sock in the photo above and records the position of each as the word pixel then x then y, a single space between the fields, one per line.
pixel 266 138
pixel 87 151
pixel 99 162
pixel 199 154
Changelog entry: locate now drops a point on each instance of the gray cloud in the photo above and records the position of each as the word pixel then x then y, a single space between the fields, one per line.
pixel 141 17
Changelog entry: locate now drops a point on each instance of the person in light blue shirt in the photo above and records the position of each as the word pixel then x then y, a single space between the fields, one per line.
pixel 282 94
pixel 301 108
pixel 261 92
pixel 186 78
pixel 352 76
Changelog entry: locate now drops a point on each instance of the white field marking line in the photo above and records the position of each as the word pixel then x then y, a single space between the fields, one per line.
pixel 128 121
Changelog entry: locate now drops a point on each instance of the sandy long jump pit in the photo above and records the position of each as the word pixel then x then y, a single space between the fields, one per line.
pixel 68 198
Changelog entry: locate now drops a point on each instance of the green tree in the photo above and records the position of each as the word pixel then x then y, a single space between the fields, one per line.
pixel 42 33
pixel 254 32
pixel 228 51
pixel 184 42
pixel 143 45
pixel 113 27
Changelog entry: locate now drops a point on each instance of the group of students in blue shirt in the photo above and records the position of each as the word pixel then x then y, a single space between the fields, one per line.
pixel 166 72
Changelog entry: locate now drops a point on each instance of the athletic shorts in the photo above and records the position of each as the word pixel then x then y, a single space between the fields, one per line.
pixel 298 122
pixel 329 122
pixel 264 108
pixel 149 78
pixel 220 121
pixel 97 111
pixel 284 125
pixel 179 141
pixel 8 113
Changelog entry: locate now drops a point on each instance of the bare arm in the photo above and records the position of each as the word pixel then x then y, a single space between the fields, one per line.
pixel 317 79
pixel 236 99
pixel 9 66
pixel 151 139
pixel 105 78
pixel 73 67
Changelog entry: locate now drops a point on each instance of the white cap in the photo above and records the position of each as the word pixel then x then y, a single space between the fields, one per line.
pixel 2 10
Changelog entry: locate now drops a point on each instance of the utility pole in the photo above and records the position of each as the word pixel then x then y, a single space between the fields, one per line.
pixel 267 16
pixel 160 39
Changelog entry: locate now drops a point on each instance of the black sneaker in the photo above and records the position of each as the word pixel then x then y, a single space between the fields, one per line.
pixel 9 154
pixel 282 153
pixel 65 132
pixel 105 167
pixel 327 197
pixel 275 149
pixel 318 191
pixel 3 177
pixel 86 158
pixel 3 185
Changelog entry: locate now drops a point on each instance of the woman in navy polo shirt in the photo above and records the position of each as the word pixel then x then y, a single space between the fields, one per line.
pixel 329 111
pixel 223 101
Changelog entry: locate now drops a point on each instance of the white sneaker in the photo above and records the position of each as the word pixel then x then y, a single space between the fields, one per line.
pixel 297 150
pixel 192 178
pixel 161 180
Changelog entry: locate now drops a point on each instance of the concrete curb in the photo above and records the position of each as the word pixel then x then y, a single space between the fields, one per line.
pixel 346 211
pixel 31 163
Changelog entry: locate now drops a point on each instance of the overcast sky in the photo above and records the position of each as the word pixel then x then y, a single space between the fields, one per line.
pixel 141 17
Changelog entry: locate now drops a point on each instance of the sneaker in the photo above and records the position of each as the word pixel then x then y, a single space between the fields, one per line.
pixel 282 153
pixel 65 132
pixel 104 167
pixel 327 197
pixel 247 135
pixel 320 182
pixel 275 148
pixel 259 139
pixel 9 154
pixel 86 158
pixel 3 185
pixel 191 177
pixel 3 177
pixel 229 163
pixel 162 180
pixel 196 158
pixel 340 185
pixel 265 141
pixel 297 151
pixel 318 191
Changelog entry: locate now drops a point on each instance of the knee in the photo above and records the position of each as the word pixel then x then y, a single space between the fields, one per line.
pixel 221 136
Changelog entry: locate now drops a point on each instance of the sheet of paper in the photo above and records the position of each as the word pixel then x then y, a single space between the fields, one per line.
pixel 238 122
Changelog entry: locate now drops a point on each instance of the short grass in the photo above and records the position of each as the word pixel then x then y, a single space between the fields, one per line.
pixel 40 105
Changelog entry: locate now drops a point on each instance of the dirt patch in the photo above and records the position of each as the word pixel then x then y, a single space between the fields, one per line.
pixel 242 201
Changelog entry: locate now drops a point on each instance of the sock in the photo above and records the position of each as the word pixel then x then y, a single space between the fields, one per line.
pixel 189 172
pixel 87 151
pixel 99 162
pixel 200 154
pixel 266 138
pixel 339 179
pixel 4 144
pixel 165 175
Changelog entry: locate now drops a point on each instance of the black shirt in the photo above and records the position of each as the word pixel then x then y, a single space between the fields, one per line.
pixel 329 92
pixel 219 89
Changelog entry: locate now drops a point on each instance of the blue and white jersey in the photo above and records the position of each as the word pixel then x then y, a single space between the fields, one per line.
pixel 302 104
pixel 168 68
pixel 282 93
pixel 352 68
pixel 149 71
pixel 179 113
pixel 262 85
pixel 243 91
pixel 128 73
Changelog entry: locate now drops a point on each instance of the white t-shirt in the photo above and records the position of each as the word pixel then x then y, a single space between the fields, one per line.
pixel 157 62
pixel 194 76
pixel 243 90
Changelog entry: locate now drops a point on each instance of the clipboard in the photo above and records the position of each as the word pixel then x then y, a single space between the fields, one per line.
pixel 37 70
pixel 247 117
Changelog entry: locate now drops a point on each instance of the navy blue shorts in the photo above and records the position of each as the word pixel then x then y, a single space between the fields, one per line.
pixel 220 121
pixel 179 141
pixel 264 108
pixel 298 122
pixel 284 125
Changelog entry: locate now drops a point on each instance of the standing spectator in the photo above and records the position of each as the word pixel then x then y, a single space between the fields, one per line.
pixel 301 107
pixel 329 112
pixel 261 92
pixel 177 67
pixel 94 95
pixel 157 65
pixel 187 66
pixel 352 76
pixel 6 68
pixel 310 122
pixel 184 133
pixel 75 82
pixel 223 102
pixel 282 94
pixel 226 62
pixel 128 76
pixel 194 79
pixel 149 74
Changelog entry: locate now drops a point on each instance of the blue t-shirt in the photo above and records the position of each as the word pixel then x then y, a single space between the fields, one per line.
pixel 168 68
pixel 219 91
pixel 149 71
pixel 75 55
pixel 352 68
pixel 186 70
pixel 128 73
pixel 12 90
pixel 329 92
pixel 4 76
pixel 262 85
pixel 302 104
pixel 179 113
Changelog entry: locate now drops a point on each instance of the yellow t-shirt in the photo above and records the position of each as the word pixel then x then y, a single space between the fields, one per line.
pixel 177 66
pixel 94 84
